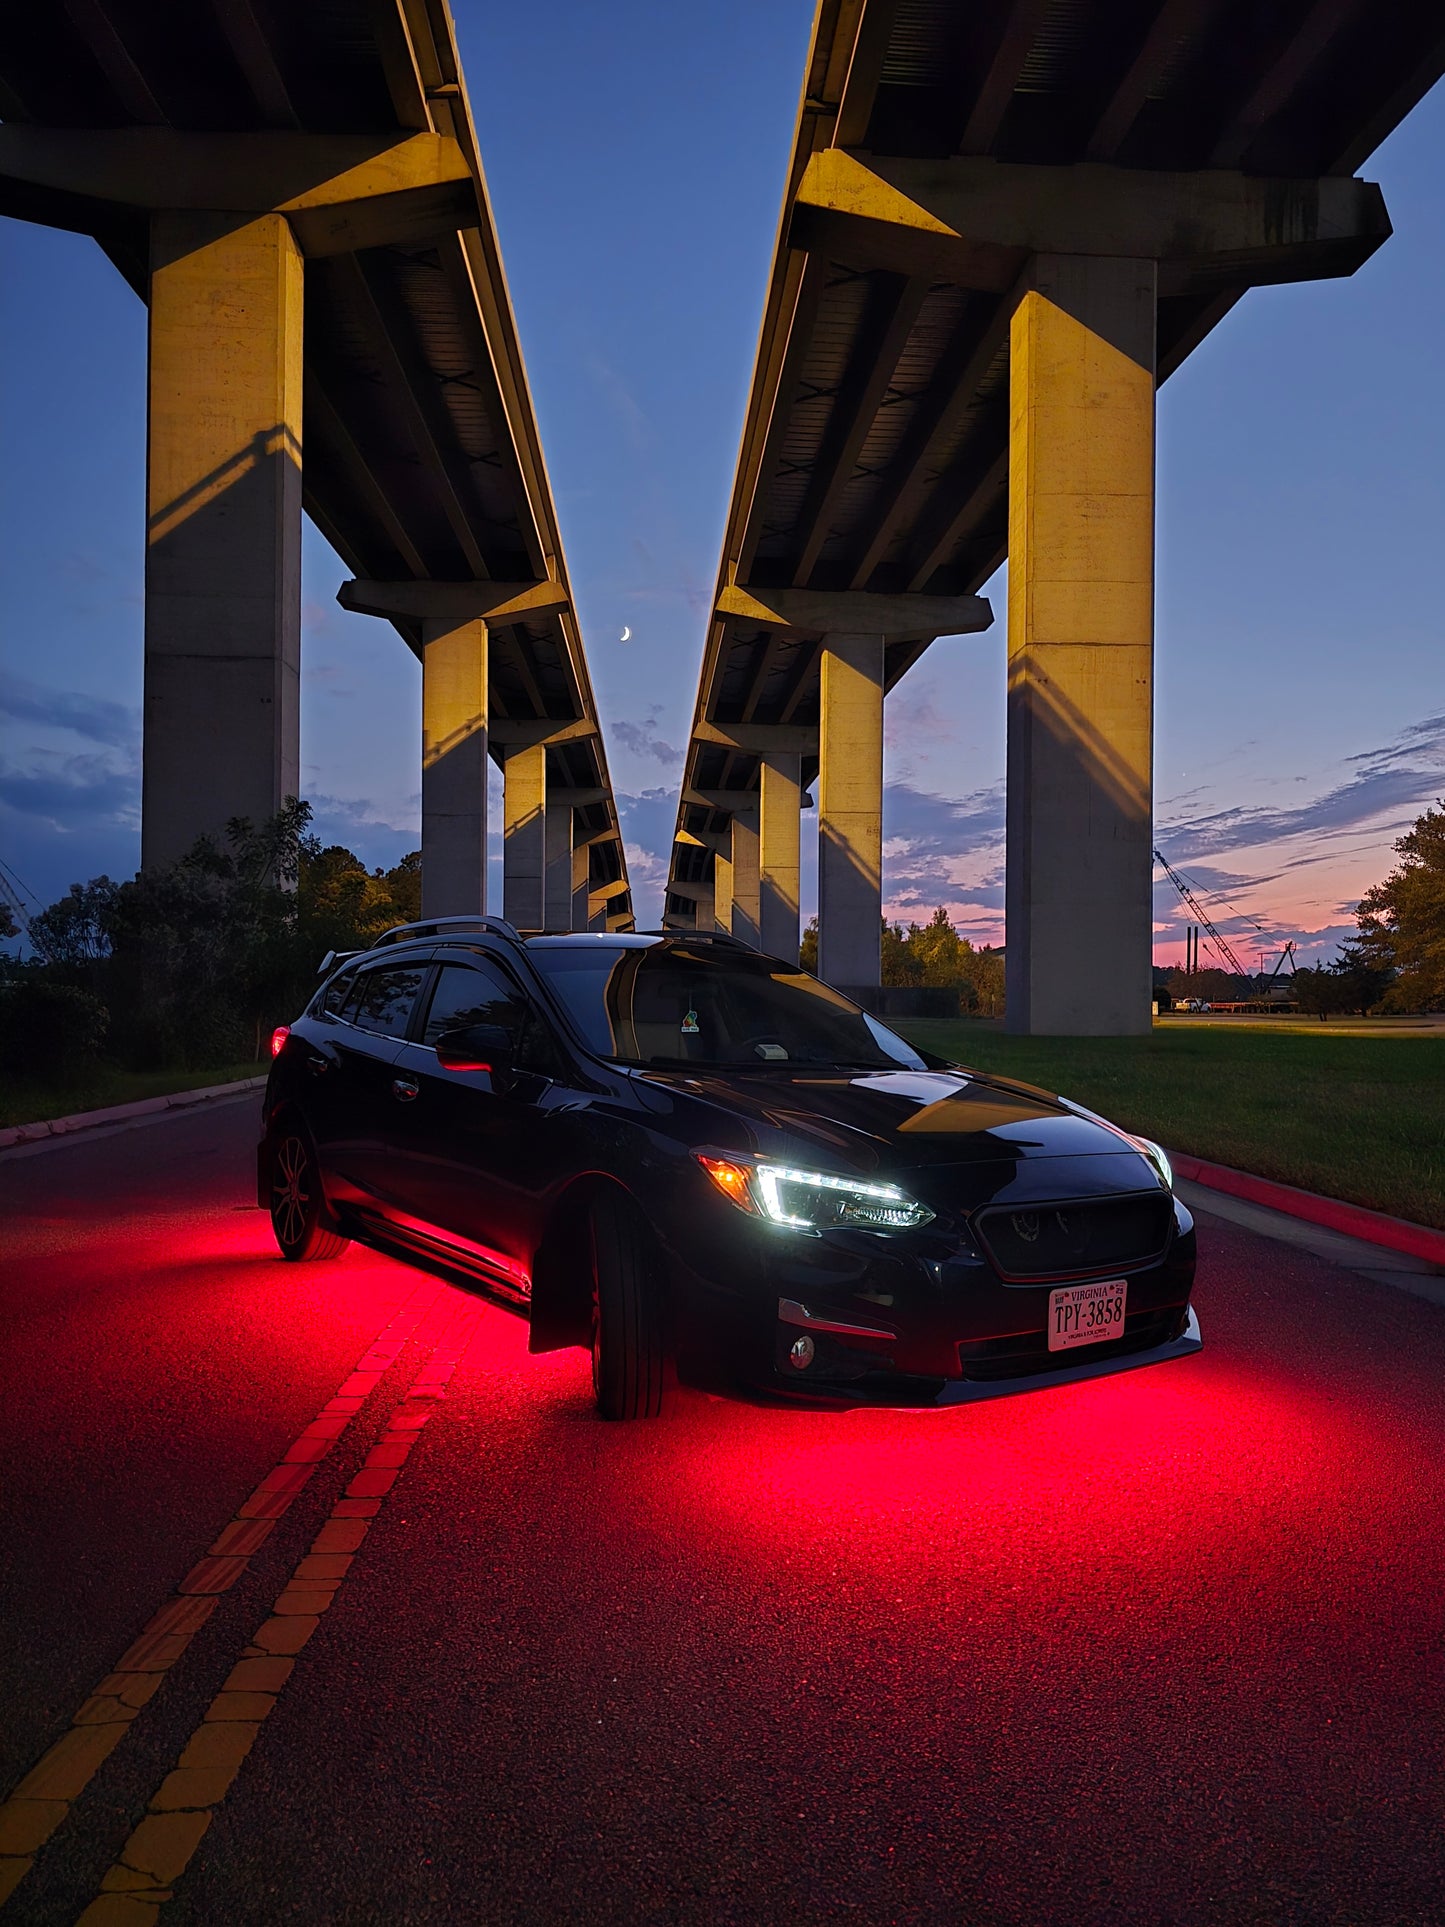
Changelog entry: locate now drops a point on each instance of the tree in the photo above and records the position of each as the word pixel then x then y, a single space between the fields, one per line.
pixel 1363 978
pixel 75 932
pixel 1402 920
pixel 1320 993
pixel 808 949
pixel 8 926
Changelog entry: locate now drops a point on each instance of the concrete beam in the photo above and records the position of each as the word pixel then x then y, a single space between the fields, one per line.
pixel 341 192
pixel 454 768
pixel 850 811
pixel 223 532
pixel 516 733
pixel 497 601
pixel 720 799
pixel 757 739
pixel 524 836
pixel 581 799
pixel 975 222
pixel 1080 650
pixel 858 612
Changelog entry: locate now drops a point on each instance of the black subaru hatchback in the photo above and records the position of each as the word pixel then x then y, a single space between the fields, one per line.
pixel 703 1162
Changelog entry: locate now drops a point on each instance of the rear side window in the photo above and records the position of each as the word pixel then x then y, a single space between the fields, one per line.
pixel 334 996
pixel 382 1000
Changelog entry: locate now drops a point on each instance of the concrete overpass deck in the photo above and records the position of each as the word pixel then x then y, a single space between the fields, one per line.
pixel 167 130
pixel 950 163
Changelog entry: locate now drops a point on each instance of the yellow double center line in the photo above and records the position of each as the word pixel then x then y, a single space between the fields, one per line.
pixel 45 1796
pixel 160 1848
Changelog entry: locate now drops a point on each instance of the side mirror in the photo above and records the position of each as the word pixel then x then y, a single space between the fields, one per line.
pixel 476 1047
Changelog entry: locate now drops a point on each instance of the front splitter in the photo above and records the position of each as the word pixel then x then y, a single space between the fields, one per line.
pixel 966 1392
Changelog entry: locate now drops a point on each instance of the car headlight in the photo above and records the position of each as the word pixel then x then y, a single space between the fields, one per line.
pixel 1158 1158
pixel 813 1200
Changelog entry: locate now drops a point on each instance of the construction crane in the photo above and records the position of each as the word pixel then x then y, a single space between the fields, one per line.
pixel 1217 942
pixel 1286 956
pixel 13 893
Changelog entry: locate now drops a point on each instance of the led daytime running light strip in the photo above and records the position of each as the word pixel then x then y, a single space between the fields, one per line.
pixel 771 1176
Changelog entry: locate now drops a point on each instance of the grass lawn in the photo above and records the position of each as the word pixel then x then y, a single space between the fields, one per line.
pixel 27 1101
pixel 1357 1117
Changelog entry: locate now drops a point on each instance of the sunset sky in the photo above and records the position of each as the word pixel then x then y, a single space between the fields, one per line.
pixel 635 156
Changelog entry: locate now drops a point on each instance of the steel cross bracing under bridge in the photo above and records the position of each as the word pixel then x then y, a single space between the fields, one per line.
pixel 1136 163
pixel 142 120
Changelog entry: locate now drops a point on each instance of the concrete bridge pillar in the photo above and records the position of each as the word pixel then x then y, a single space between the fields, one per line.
pixel 568 868
pixel 722 891
pixel 747 916
pixel 454 767
pixel 780 798
pixel 223 528
pixel 524 832
pixel 1081 648
pixel 850 811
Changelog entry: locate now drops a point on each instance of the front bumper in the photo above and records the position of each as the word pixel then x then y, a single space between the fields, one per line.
pixel 916 1319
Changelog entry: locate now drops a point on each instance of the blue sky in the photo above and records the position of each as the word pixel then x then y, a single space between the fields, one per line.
pixel 635 156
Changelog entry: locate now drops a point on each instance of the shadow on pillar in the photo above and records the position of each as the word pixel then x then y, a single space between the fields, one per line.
pixel 1080 874
pixel 222 649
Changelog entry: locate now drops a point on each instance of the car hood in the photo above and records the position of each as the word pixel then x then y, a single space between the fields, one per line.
pixel 896 1119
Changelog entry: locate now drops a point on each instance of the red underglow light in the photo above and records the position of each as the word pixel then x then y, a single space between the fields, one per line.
pixel 730 1179
pixel 278 1038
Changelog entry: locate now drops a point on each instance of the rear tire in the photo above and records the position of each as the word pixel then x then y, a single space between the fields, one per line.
pixel 298 1210
pixel 631 1362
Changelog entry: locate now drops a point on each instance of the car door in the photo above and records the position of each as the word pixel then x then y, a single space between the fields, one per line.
pixel 351 1087
pixel 475 1153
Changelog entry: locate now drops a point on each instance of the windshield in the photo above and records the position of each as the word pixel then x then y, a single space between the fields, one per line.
pixel 670 1006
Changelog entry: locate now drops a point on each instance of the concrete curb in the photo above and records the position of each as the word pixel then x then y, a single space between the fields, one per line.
pixel 1353 1220
pixel 17 1134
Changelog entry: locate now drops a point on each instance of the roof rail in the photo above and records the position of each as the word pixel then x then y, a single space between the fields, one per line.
pixel 437 926
pixel 724 937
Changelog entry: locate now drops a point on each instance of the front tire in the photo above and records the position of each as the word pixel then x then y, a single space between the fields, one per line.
pixel 298 1210
pixel 631 1363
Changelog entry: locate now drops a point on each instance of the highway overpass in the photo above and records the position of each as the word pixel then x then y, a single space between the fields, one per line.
pixel 1004 224
pixel 295 191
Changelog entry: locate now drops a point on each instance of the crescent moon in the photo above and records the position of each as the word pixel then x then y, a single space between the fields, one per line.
pixel 626 635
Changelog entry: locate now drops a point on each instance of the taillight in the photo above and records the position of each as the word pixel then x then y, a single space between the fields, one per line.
pixel 278 1038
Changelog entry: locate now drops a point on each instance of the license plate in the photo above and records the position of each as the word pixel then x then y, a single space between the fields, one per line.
pixel 1086 1314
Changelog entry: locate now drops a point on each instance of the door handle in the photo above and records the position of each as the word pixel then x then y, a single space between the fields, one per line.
pixel 404 1089
pixel 318 1066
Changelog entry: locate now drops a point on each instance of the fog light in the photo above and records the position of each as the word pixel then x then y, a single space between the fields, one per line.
pixel 801 1353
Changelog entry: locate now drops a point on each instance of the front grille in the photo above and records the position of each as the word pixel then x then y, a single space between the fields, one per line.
pixel 1066 1240
pixel 1027 1354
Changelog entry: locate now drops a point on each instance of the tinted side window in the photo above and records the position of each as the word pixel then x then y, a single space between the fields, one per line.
pixel 383 999
pixel 467 994
pixel 334 996
pixel 482 994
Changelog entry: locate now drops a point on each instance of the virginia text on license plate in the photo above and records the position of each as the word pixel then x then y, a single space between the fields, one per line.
pixel 1086 1314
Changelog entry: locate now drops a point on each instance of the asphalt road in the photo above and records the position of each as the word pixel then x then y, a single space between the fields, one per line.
pixel 1163 1649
